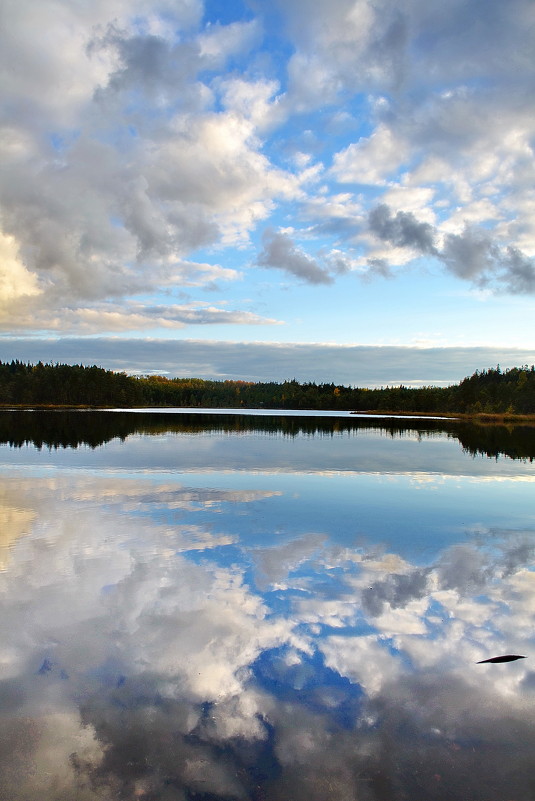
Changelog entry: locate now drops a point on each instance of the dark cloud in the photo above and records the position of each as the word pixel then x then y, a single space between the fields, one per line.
pixel 378 267
pixel 519 271
pixel 281 253
pixel 338 263
pixel 520 551
pixel 472 255
pixel 402 230
pixel 464 568
pixel 468 568
pixel 149 65
pixel 396 590
pixel 471 41
pixel 475 256
pixel 158 749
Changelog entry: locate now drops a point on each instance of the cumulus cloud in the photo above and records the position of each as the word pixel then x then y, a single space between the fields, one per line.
pixel 440 131
pixel 281 252
pixel 473 255
pixel 464 568
pixel 257 101
pixel 371 160
pixel 383 46
pixel 402 230
pixel 396 590
pixel 218 42
pixel 476 256
pixel 17 284
pixel 274 564
pixel 518 271
pixel 136 134
pixel 344 47
pixel 116 165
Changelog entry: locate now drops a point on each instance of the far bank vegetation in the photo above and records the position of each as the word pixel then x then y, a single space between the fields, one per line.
pixel 491 392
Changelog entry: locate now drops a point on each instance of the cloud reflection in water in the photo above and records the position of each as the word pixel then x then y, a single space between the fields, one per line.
pixel 185 659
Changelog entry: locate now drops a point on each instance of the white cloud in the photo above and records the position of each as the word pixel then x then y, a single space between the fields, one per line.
pixel 138 135
pixel 130 316
pixel 415 199
pixel 115 167
pixel 218 42
pixel 372 159
pixel 365 660
pixel 15 280
pixel 213 161
pixel 255 101
pixel 275 563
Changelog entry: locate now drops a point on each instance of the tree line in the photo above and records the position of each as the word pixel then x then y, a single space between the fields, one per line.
pixel 490 391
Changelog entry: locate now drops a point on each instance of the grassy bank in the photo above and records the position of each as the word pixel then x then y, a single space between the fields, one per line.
pixel 479 417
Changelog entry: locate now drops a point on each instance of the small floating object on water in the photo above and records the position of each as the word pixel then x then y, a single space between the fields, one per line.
pixel 506 658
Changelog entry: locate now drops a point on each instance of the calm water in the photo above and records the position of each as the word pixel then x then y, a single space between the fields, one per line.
pixel 202 607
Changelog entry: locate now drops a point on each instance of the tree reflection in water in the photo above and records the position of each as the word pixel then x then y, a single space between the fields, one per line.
pixel 71 429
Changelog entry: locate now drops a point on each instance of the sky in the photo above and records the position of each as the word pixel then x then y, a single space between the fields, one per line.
pixel 336 190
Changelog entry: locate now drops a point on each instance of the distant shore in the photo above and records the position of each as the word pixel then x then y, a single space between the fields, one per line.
pixel 478 417
pixel 491 395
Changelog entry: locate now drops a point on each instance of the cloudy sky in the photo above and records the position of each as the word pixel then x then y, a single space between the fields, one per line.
pixel 261 189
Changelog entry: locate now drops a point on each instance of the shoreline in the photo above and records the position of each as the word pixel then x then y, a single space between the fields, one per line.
pixel 476 417
pixel 479 417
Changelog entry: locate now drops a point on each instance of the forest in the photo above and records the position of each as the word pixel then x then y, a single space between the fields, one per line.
pixel 491 391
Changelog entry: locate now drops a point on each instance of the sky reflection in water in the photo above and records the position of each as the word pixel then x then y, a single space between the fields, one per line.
pixel 218 615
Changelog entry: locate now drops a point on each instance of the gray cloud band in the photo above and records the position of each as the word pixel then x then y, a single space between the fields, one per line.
pixel 357 365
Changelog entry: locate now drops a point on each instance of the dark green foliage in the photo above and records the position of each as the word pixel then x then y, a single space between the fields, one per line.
pixel 490 391
pixel 493 391
pixel 66 385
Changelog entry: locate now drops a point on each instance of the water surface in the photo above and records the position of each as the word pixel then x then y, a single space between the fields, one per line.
pixel 210 607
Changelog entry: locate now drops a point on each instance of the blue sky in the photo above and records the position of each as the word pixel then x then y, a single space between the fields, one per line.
pixel 334 190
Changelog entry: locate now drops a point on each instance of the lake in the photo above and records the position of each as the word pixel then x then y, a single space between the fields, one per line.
pixel 206 606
